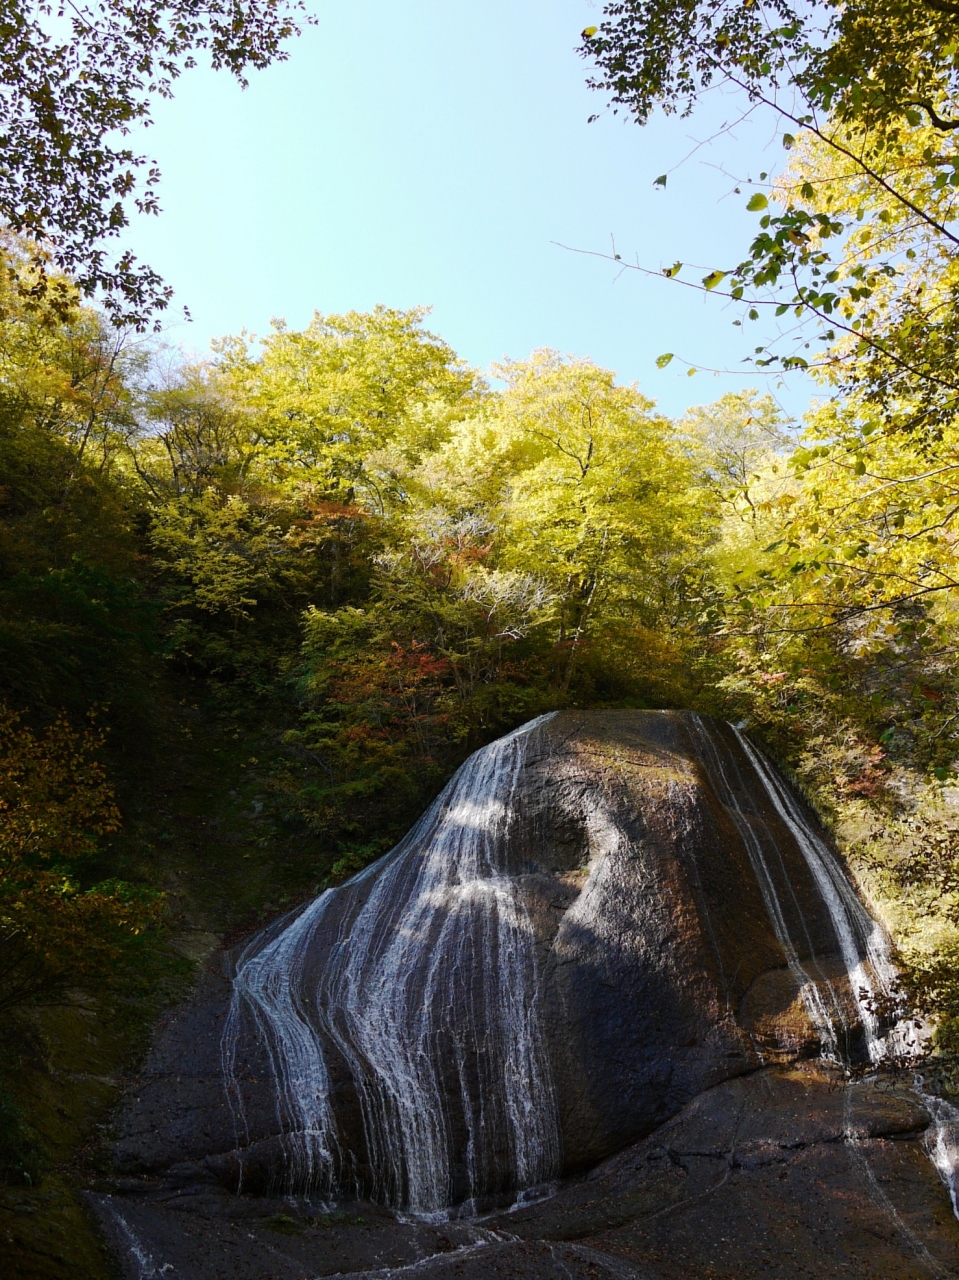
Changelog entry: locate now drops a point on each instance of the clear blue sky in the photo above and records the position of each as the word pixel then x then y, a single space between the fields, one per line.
pixel 430 153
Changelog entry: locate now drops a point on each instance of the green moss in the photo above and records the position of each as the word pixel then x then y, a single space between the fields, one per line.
pixel 285 1225
pixel 46 1233
pixel 21 1162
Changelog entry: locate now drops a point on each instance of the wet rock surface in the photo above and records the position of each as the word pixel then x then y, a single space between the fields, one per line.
pixel 781 1173
pixel 701 1136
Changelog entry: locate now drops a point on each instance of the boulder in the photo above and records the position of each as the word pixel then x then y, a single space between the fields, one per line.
pixel 640 952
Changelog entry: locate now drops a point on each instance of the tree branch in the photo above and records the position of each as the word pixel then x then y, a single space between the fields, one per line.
pixel 936 119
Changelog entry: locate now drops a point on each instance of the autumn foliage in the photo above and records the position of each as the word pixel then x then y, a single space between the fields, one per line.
pixel 57 931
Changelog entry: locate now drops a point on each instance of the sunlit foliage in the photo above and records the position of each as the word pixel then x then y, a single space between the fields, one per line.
pixel 857 245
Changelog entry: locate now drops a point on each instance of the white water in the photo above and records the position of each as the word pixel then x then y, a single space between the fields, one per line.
pixel 147 1268
pixel 411 1035
pixel 861 939
pixel 863 945
pixel 447 1057
pixel 821 1007
pixel 942 1143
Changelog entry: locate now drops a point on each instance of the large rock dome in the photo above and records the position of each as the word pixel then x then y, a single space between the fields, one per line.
pixel 610 924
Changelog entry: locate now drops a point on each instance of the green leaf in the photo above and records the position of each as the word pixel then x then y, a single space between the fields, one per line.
pixel 788 141
pixel 660 181
pixel 663 360
pixel 757 202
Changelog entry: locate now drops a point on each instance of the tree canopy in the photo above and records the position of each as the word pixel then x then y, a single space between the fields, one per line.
pixel 858 237
pixel 75 80
pixel 852 273
pixel 868 64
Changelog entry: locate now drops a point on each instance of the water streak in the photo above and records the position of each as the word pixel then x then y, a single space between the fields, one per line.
pixel 146 1267
pixel 858 1154
pixel 941 1142
pixel 822 1008
pixel 447 1058
pixel 862 940
pixel 863 945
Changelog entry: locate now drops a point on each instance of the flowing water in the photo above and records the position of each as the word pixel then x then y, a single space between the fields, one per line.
pixel 863 945
pixel 942 1143
pixel 736 795
pixel 418 982
pixel 147 1268
pixel 447 1057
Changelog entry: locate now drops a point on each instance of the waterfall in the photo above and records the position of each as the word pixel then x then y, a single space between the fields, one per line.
pixel 399 1014
pixel 942 1142
pixel 420 976
pixel 861 939
pixel 863 944
pixel 761 847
